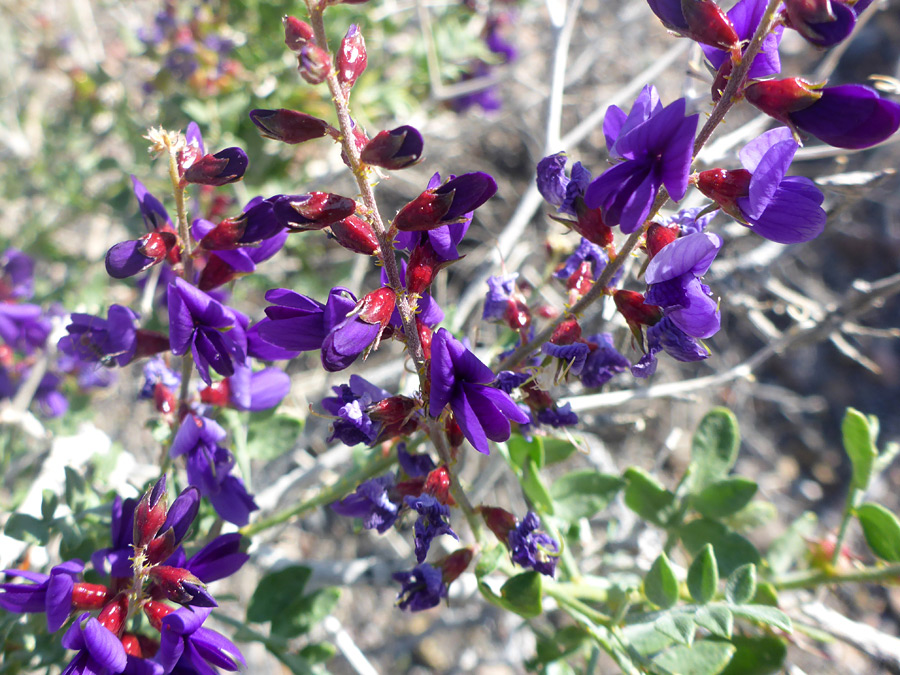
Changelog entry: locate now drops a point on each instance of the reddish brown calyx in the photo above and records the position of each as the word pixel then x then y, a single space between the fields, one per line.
pixel 322 209
pixel 725 187
pixel 709 24
pixel 164 399
pixel 156 611
pixel 499 521
pixel 424 212
pixel 437 484
pixel 637 313
pixel 658 237
pixel 780 98
pixel 297 33
pixel 580 281
pixel 112 616
pixel 424 264
pixel 566 333
pixel 90 596
pixel 357 235
pixel 455 564
pixel 217 394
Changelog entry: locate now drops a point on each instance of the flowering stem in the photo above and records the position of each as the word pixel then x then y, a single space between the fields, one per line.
pixel 377 464
pixel 854 497
pixel 864 575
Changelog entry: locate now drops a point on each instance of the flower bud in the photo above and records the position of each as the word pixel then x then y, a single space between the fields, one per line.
pixel 112 616
pixel 90 596
pixel 179 585
pixel 393 409
pixel 316 211
pixel 150 513
pixel 132 645
pixel 226 166
pixel 517 315
pixel 454 432
pixel 314 64
pixel 454 564
pixel 356 234
pixel 216 273
pixel 631 305
pixel 128 258
pixel 425 337
pixel 658 236
pixel 395 149
pixel 216 394
pixel 589 224
pixel 288 126
pixel 566 333
pixel 225 236
pixel 424 263
pixel 709 24
pixel 164 399
pixel 725 188
pixel 499 521
pixel 424 212
pixel 156 611
pixel 780 98
pixel 149 342
pixel 351 58
pixel 437 484
pixel 296 33
pixel 377 306
pixel 581 280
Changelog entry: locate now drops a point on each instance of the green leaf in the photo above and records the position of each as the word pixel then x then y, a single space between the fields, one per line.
pixel 647 497
pixel 76 490
pixel 791 545
pixel 581 494
pixel 724 497
pixel 276 592
pixel 305 612
pixel 557 450
pixel 703 576
pixel 881 529
pixel 859 444
pixel 679 627
pixel 562 643
pixel 766 594
pixel 741 584
pixel 714 449
pixel 488 561
pixel 523 593
pixel 534 488
pixel 27 528
pixel 271 438
pixel 731 549
pixel 660 584
pixel 764 614
pixel 716 618
pixel 521 450
pixel 757 656
pixel 706 657
pixel 318 652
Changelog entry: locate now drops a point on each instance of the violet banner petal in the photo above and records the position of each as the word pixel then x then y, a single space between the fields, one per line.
pixel 125 260
pixel 767 177
pixel 752 153
pixel 693 253
pixel 849 116
pixel 469 423
pixel 104 646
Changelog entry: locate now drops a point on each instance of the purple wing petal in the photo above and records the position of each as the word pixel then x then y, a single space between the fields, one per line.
pixel 693 253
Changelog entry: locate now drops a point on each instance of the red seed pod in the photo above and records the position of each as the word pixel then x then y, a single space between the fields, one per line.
pixel 780 98
pixel 296 33
pixel 581 280
pixel 351 58
pixel 356 234
pixel 164 399
pixel 216 273
pixel 517 315
pixel 566 333
pixel 499 521
pixel 455 564
pixel 323 209
pixel 314 64
pixel 424 212
pixel 150 514
pixel 378 306
pixel 156 611
pixel 149 342
pixel 112 616
pixel 288 126
pixel 725 188
pixel 437 484
pixel 425 337
pixel 709 24
pixel 659 236
pixel 90 596
pixel 217 393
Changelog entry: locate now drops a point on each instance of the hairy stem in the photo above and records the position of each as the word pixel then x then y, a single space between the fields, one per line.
pixel 864 575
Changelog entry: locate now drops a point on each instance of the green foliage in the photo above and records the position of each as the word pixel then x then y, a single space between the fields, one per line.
pixel 703 576
pixel 707 657
pixel 581 494
pixel 647 497
pixel 731 549
pixel 741 585
pixel 717 619
pixel 881 529
pixel 522 594
pixel 272 436
pixel 279 599
pixel 762 655
pixel 859 442
pixel 724 497
pixel 660 584
pixel 714 449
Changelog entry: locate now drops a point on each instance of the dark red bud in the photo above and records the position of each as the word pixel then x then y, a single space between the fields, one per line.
pixel 632 306
pixel 314 64
pixel 392 410
pixel 425 337
pixel 288 126
pixel 720 81
pixel 356 234
pixel 149 342
pixel 517 315
pixel 351 58
pixel 659 236
pixel 112 616
pixel 378 306
pixel 454 432
pixel 394 149
pixel 455 564
pixel 323 209
pixel 150 514
pixel 172 581
pixel 90 596
pixel 217 393
pixel 725 188
pixel 226 235
pixel 590 225
pixel 132 645
pixel 499 521
pixel 224 167
pixel 535 397
pixel 780 98
pixel 157 244
pixel 424 212
pixel 582 279
pixel 164 399
pixel 566 333
pixel 424 263
pixel 547 312
pixel 216 273
pixel 709 24
pixel 162 546
pixel 296 33
pixel 437 484
pixel 157 611
pixel 801 13
pixel 412 487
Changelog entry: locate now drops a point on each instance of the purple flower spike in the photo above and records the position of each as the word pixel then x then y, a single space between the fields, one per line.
pixel 395 149
pixel 226 166
pixel 745 16
pixel 674 278
pixel 99 650
pixel 422 588
pixel 849 116
pixel 93 339
pixel 656 144
pixel 371 502
pixel 532 548
pixel 432 522
pixel 207 328
pixel 460 379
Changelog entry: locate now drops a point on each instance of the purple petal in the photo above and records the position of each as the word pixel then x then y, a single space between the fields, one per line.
pixel 849 116
pixel 125 260
pixel 59 600
pixel 551 178
pixel 469 423
pixel 104 646
pixel 472 190
pixel 268 388
pixel 795 214
pixel 194 137
pixel 767 178
pixel 612 126
pixel 752 153
pixel 692 254
pixel 152 211
pixel 699 317
pixel 220 558
pixel 182 512
pixel 204 308
pixel 443 378
pixel 217 649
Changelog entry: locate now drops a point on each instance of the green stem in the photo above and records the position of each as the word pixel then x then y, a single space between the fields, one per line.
pixel 563 595
pixel 854 497
pixel 814 578
pixel 328 494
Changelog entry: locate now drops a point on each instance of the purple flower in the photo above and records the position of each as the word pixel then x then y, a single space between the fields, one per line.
pixel 603 362
pixel 689 221
pixel 674 279
pixel 573 356
pixel 99 650
pixel 586 251
pixel 557 416
pixel 656 145
pixel 745 16
pixel 226 166
pixel 186 647
pixel 460 379
pixel 552 181
pixel 94 339
pixel 532 548
pixel 115 560
pixel 220 558
pixel 17 276
pixel 487 98
pixel 152 211
pixel 824 24
pixel 50 401
pixel 352 425
pixel 371 502
pixel 298 323
pixel 157 372
pixel 499 296
pixel 432 522
pixel 422 588
pixel 260 390
pixel 47 593
pixel 206 327
pixel 666 336
pixel 414 466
